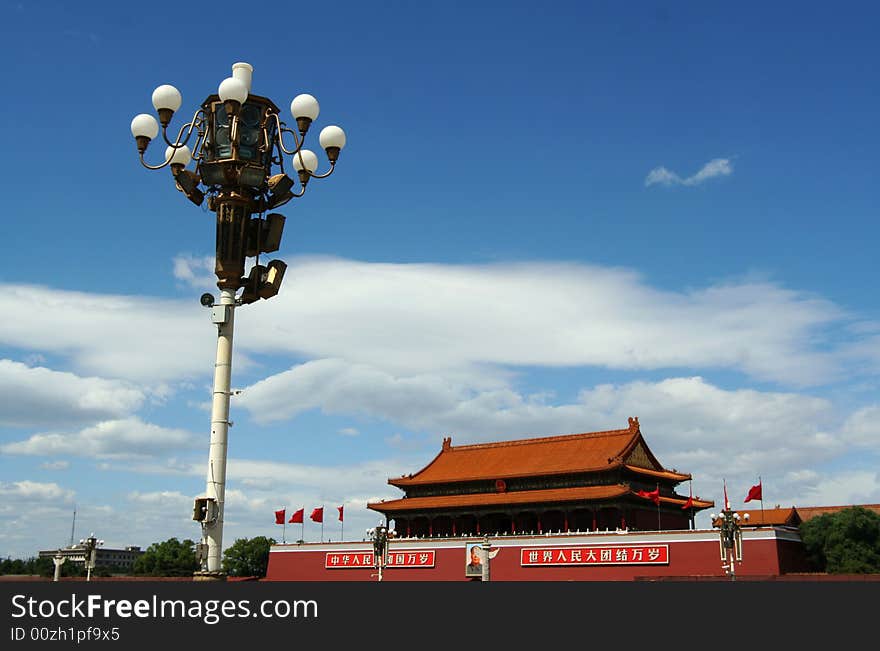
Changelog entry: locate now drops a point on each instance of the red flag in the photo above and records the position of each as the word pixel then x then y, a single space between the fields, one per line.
pixel 754 493
pixel 690 501
pixel 339 508
pixel 279 516
pixel 317 514
pixel 653 495
pixel 298 516
pixel 726 501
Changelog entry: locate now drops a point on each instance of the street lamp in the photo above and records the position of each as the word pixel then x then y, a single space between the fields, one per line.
pixel 730 538
pixel 91 545
pixel 380 535
pixel 238 150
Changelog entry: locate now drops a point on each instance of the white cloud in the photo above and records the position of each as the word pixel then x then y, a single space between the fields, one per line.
pixel 55 465
pixel 690 424
pixel 30 492
pixel 466 320
pixel 691 416
pixel 40 396
pixel 160 498
pixel 127 337
pixel 123 438
pixel 862 428
pixel 715 167
pixel 421 317
pixel 195 271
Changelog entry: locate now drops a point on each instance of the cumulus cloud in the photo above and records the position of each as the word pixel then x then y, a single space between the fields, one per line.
pixel 195 271
pixel 417 318
pixel 862 428
pixel 39 396
pixel 458 319
pixel 715 167
pixel 31 492
pixel 737 426
pixel 128 337
pixel 123 438
pixel 691 424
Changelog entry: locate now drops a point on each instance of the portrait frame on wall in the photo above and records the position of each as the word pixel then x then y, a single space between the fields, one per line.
pixel 473 563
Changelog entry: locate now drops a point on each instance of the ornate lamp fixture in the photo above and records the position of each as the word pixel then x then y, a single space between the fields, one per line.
pixel 379 536
pixel 239 143
pixel 90 546
pixel 730 538
pixel 239 152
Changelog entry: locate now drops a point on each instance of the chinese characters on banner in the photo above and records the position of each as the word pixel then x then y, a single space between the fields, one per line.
pixel 611 555
pixel 414 558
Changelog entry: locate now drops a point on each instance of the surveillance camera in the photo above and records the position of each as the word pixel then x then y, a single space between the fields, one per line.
pixel 207 300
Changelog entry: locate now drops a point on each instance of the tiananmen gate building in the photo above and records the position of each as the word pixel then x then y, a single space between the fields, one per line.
pixel 589 506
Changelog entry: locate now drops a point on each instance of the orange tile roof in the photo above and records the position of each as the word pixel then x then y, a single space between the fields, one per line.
pixel 770 517
pixel 499 499
pixel 542 496
pixel 665 474
pixel 550 455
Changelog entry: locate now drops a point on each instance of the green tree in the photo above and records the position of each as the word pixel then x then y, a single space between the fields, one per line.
pixel 248 557
pixel 846 542
pixel 169 558
pixel 43 566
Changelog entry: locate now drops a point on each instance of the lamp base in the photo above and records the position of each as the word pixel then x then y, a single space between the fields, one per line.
pixel 209 576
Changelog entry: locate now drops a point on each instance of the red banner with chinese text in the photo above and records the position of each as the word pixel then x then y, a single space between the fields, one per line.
pixel 349 560
pixel 604 555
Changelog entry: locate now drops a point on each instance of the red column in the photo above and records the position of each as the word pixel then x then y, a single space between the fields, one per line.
pixel 539 524
pixel 595 524
pixel 565 520
pixel 453 527
pixel 478 525
pixel 430 527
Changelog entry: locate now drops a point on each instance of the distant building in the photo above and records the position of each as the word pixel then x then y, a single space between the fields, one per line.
pixel 122 559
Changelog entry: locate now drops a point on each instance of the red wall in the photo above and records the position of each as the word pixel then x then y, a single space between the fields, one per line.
pixel 766 552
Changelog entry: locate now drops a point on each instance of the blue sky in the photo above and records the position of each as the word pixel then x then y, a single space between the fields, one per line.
pixel 547 219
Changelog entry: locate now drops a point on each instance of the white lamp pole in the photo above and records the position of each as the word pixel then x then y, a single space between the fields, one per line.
pixel 215 487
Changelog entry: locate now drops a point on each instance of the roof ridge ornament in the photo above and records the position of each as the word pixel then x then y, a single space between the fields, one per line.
pixel 447 442
pixel 634 424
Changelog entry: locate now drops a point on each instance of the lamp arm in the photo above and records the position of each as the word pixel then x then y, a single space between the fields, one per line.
pixel 280 138
pixel 325 174
pixel 153 167
pixel 196 121
pixel 312 174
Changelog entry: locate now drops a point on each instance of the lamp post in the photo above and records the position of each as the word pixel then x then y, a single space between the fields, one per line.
pixel 59 559
pixel 91 545
pixel 379 536
pixel 238 152
pixel 487 556
pixel 730 538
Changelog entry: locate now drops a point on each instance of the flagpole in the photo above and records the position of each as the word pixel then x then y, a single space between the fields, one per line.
pixel 658 506
pixel 762 498
pixel 691 507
